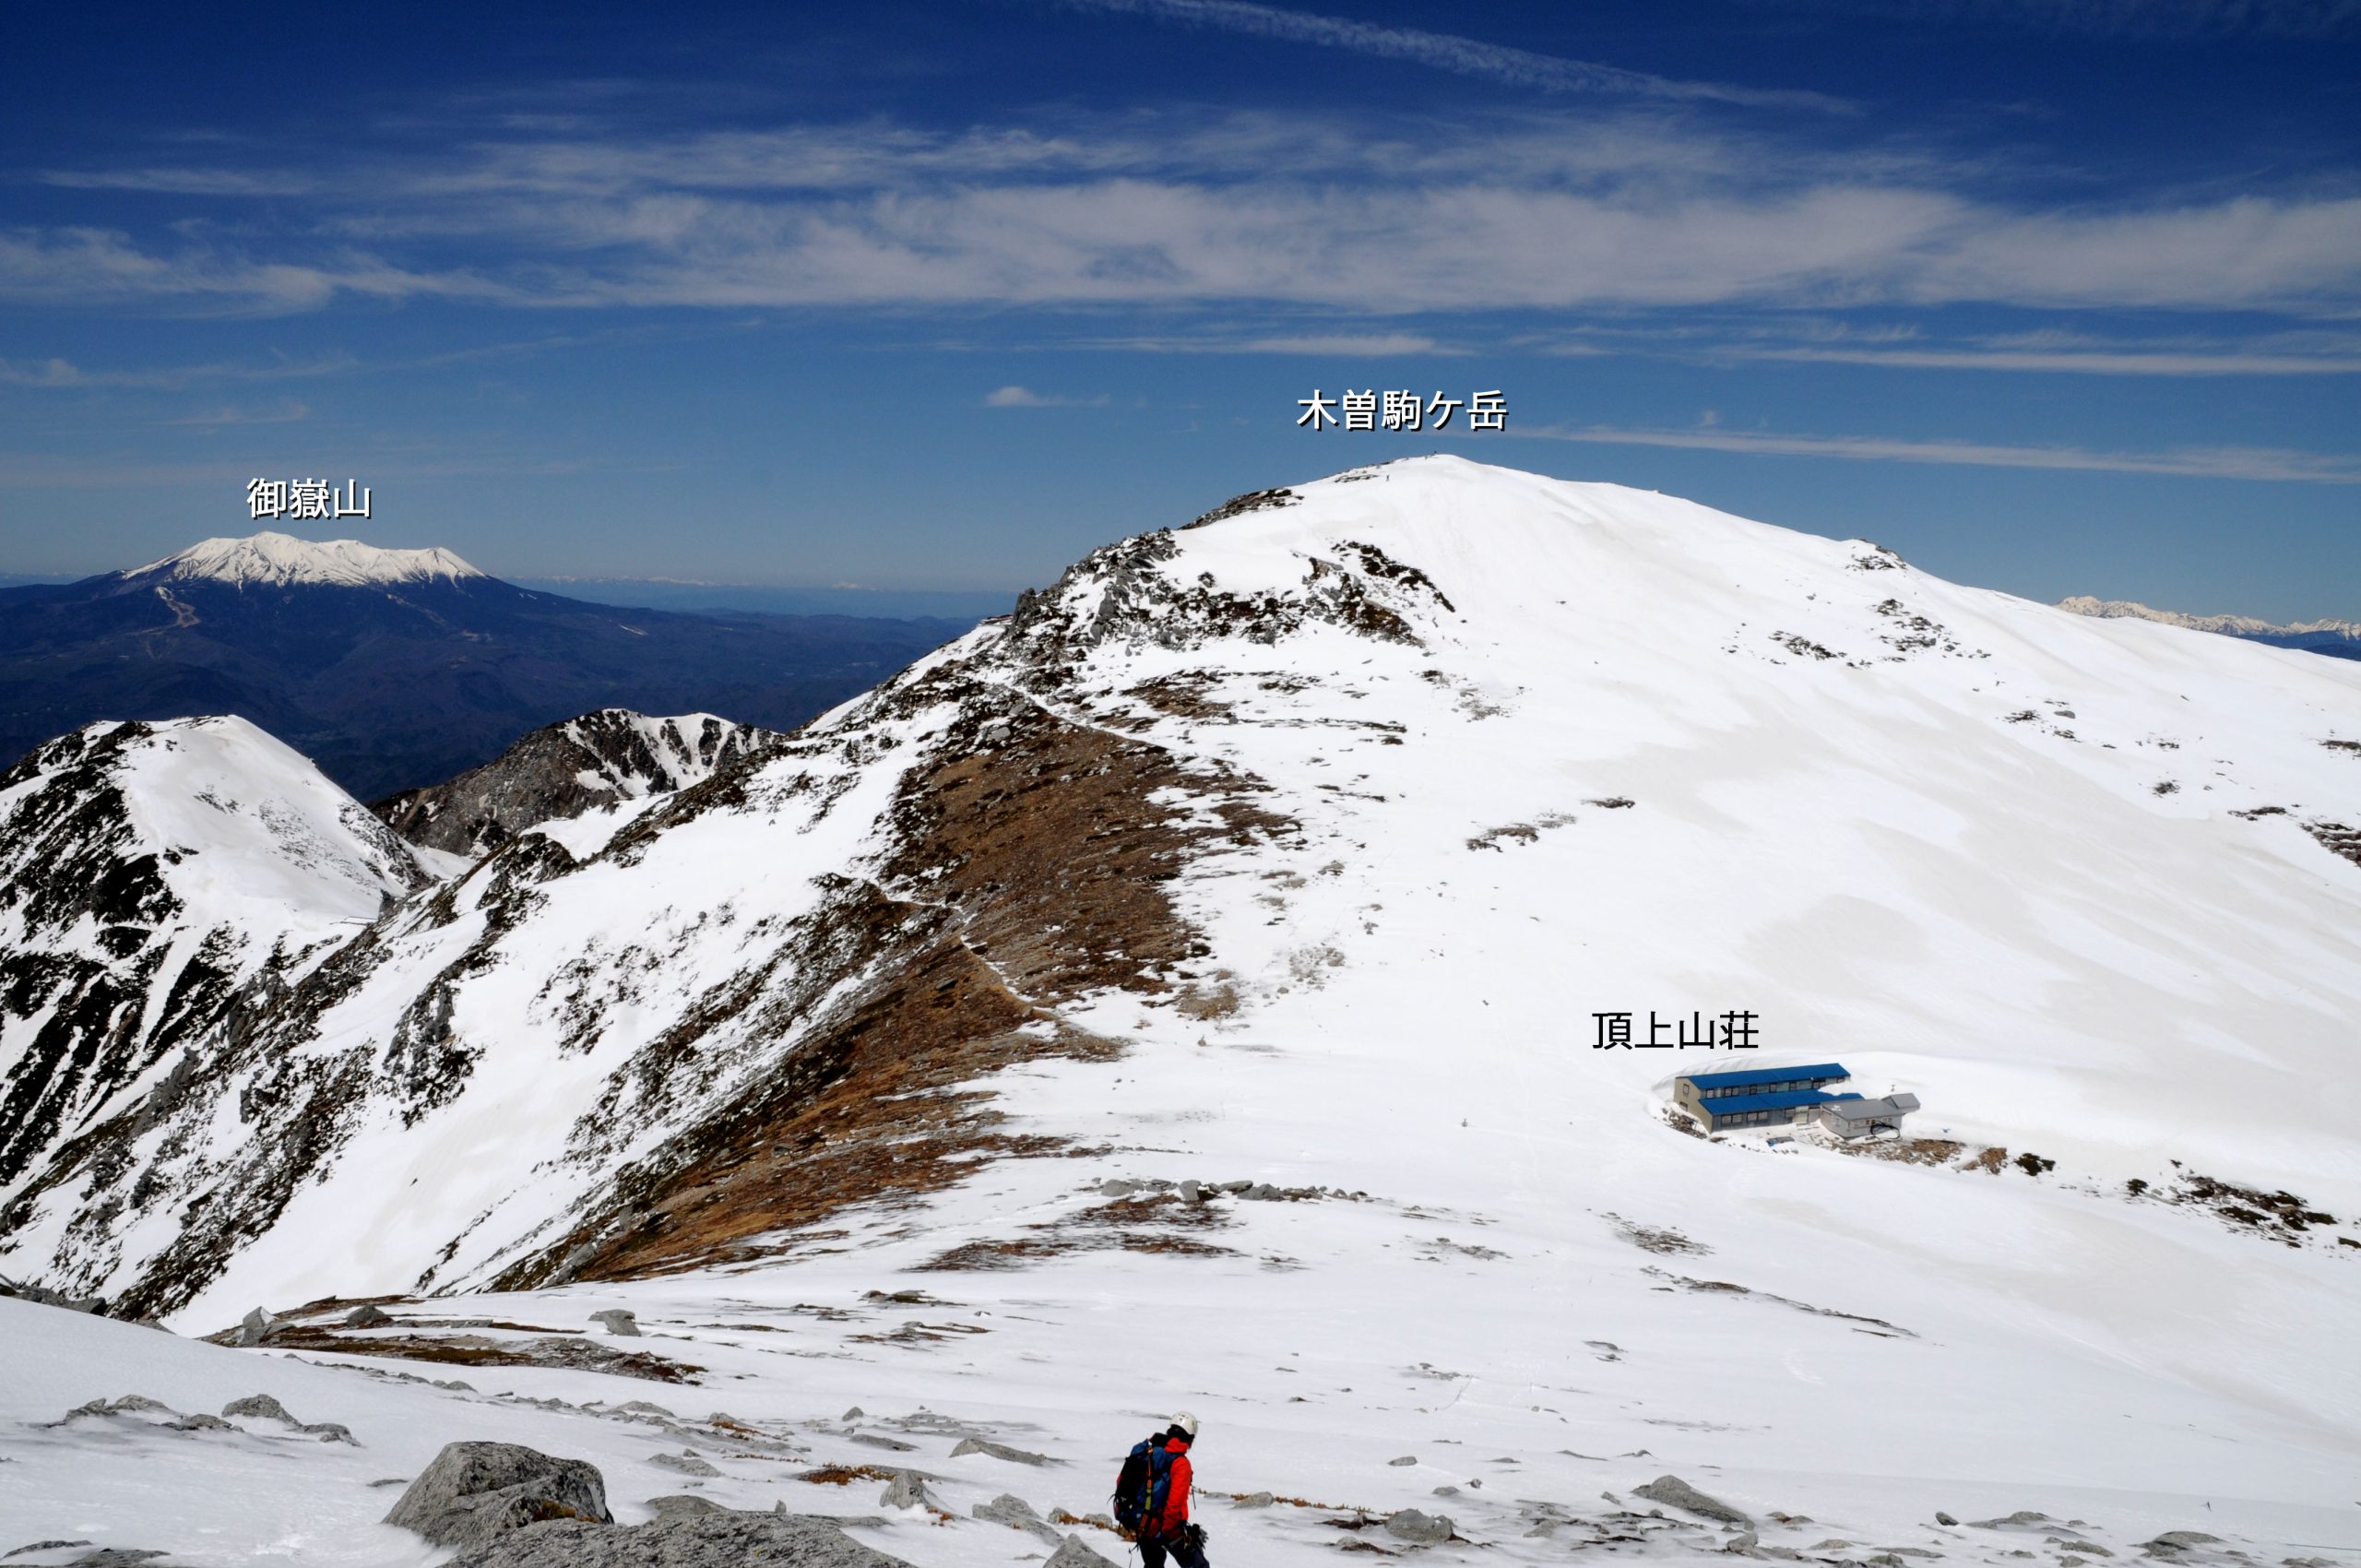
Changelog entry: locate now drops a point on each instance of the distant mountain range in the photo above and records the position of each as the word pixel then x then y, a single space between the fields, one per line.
pixel 396 669
pixel 2338 639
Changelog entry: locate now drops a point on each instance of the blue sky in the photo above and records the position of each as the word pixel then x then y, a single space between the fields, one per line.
pixel 2052 295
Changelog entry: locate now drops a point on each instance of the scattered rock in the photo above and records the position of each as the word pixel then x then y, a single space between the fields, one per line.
pixel 367 1317
pixel 46 1546
pixel 908 1490
pixel 1255 1499
pixel 680 1505
pixel 2175 1541
pixel 686 1462
pixel 1674 1492
pixel 259 1405
pixel 997 1451
pixel 201 1421
pixel 262 1406
pixel 474 1492
pixel 1419 1529
pixel 1018 1515
pixel 2091 1547
pixel 1076 1553
pixel 1192 1191
pixel 1118 1188
pixel 1942 1518
pixel 875 1441
pixel 1746 1540
pixel 1446 1491
pixel 855 1413
pixel 619 1321
pixel 126 1406
pixel 114 1557
pixel 727 1540
pixel 1406 1459
pixel 256 1327
pixel 2021 1516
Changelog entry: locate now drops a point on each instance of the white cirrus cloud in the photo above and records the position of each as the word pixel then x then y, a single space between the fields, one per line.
pixel 1446 51
pixel 2210 462
pixel 1025 397
pixel 1283 213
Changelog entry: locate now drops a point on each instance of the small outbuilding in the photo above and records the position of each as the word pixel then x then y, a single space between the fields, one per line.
pixel 1852 1117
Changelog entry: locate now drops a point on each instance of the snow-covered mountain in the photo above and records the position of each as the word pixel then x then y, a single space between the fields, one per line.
pixel 600 759
pixel 157 882
pixel 279 560
pixel 2339 638
pixel 397 668
pixel 1185 992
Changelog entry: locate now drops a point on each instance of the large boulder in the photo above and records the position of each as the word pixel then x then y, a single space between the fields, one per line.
pixel 710 1540
pixel 475 1493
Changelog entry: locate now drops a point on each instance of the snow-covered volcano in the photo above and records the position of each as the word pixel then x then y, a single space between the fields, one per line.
pixel 1302 849
pixel 280 559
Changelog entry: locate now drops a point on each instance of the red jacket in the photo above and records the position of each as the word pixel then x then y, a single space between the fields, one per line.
pixel 1176 1497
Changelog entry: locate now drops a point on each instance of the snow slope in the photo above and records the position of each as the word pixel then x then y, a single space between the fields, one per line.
pixel 149 874
pixel 1301 848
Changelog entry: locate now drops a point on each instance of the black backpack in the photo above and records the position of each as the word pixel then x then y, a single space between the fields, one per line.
pixel 1142 1485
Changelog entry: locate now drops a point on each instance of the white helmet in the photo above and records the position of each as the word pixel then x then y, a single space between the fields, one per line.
pixel 1187 1424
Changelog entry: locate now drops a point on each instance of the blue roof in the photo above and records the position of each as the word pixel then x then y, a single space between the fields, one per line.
pixel 1786 1100
pixel 1765 1075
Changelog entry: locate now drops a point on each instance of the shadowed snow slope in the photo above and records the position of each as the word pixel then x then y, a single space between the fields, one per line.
pixel 1300 848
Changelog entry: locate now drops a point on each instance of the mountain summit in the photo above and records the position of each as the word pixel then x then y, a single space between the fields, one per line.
pixel 281 560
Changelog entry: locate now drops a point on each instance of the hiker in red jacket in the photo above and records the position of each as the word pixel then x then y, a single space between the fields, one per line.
pixel 1168 1529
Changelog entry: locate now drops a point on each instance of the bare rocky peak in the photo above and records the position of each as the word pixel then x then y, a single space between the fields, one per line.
pixel 562 770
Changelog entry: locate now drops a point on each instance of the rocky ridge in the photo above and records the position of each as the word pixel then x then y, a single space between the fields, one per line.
pixel 563 770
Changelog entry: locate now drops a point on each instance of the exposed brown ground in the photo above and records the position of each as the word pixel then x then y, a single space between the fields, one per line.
pixel 1043 865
